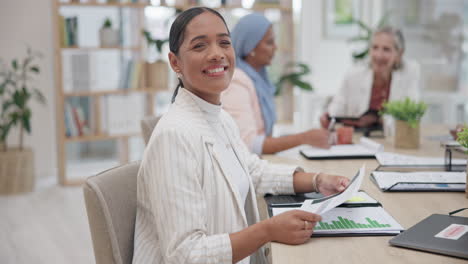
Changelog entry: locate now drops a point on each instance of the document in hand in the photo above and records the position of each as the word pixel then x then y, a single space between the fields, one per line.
pixel 419 181
pixel 366 148
pixel 320 206
pixel 348 221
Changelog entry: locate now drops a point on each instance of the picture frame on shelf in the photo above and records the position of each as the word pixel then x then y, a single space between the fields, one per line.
pixel 339 18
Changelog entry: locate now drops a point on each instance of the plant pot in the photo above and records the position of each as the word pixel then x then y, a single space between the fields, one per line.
pixel 406 136
pixel 466 188
pixel 16 171
pixel 109 37
pixel 157 75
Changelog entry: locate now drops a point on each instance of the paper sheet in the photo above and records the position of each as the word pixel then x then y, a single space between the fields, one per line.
pixel 366 147
pixel 350 191
pixel 386 179
pixel 394 159
pixel 353 220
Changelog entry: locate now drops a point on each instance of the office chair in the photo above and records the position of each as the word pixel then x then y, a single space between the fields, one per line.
pixel 148 124
pixel 111 198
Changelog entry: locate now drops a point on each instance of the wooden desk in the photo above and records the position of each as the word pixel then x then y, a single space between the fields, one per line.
pixel 407 208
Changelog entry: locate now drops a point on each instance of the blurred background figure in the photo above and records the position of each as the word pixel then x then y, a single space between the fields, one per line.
pixel 367 86
pixel 250 96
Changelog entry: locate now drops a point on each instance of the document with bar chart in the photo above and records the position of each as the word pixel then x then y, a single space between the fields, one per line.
pixel 341 221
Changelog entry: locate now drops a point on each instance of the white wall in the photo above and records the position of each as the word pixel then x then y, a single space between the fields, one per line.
pixel 29 22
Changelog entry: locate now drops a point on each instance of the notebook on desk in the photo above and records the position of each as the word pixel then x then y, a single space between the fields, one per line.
pixel 419 181
pixel 366 148
pixel 442 234
pixel 389 161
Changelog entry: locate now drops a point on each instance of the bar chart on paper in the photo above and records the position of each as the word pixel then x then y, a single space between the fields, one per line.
pixel 356 220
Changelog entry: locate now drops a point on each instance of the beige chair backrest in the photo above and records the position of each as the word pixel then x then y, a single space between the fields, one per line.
pixel 110 199
pixel 148 124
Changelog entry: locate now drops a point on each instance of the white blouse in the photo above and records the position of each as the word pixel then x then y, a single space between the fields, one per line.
pixel 211 113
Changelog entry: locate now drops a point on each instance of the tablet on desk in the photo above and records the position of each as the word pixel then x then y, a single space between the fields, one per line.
pixel 340 119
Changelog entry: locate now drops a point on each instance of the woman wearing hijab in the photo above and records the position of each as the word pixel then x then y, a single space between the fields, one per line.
pixel 250 96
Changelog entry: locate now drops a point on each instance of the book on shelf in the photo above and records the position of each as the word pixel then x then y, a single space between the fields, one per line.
pixel 132 75
pixel 76 122
pixel 116 119
pixel 91 71
pixel 68 31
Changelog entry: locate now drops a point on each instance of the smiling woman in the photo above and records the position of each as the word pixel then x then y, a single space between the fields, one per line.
pixel 197 182
pixel 205 62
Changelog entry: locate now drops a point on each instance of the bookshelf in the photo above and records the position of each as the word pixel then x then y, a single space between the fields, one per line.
pixel 87 106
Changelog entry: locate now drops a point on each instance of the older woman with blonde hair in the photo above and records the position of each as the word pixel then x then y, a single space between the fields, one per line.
pixel 367 86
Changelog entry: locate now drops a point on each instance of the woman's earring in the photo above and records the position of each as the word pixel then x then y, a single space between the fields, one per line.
pixel 179 75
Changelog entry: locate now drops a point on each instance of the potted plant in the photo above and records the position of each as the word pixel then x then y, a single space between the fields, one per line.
pixel 462 138
pixel 293 75
pixel 17 93
pixel 108 36
pixel 157 73
pixel 407 114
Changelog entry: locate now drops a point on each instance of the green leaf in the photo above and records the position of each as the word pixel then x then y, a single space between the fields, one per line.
pixel 34 69
pixel 159 44
pixel 25 120
pixel 462 137
pixel 39 96
pixel 364 26
pixel 405 110
pixel 361 55
pixel 294 75
pixel 359 38
pixel 303 85
pixel 14 64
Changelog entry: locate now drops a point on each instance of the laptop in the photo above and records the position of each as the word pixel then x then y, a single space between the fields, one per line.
pixel 441 234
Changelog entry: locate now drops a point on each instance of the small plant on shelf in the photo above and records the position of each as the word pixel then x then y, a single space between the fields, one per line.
pixel 107 23
pixel 157 73
pixel 108 36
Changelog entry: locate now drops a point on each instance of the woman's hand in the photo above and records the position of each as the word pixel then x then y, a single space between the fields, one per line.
pixel 317 137
pixel 331 184
pixel 292 227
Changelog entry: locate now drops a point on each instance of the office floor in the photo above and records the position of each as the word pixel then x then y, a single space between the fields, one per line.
pixel 47 226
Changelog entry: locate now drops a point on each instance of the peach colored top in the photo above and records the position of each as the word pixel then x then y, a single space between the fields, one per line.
pixel 241 102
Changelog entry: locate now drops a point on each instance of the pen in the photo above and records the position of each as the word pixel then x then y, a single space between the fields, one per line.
pixel 332 124
pixel 286 205
pixel 330 128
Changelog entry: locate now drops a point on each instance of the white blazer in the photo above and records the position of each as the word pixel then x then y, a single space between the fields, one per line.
pixel 353 99
pixel 187 201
